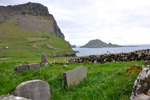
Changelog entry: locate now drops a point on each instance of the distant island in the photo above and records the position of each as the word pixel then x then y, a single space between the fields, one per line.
pixel 96 43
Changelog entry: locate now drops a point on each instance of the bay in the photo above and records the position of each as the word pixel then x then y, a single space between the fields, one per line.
pixel 108 50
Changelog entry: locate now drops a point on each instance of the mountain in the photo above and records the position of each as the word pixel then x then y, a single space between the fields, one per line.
pixel 27 30
pixel 98 44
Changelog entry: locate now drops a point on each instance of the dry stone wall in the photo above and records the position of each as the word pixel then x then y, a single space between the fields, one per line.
pixel 132 56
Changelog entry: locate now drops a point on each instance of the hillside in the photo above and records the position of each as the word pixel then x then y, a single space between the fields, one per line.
pixel 98 44
pixel 27 30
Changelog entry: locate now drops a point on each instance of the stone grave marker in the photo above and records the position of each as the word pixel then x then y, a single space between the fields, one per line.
pixel 44 59
pixel 20 68
pixel 34 66
pixel 75 76
pixel 34 89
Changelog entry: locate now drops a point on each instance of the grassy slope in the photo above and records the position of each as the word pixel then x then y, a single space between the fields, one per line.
pixel 29 44
pixel 104 81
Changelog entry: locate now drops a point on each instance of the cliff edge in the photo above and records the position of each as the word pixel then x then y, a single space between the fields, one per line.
pixel 31 16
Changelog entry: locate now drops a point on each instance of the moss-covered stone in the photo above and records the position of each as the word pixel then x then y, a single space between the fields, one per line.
pixel 133 69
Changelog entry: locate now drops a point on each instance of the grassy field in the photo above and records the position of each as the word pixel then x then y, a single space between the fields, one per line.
pixel 29 44
pixel 104 81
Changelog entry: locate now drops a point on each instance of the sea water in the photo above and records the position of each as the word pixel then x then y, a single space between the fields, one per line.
pixel 108 50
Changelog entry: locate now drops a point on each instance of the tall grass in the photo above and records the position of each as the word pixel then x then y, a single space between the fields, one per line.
pixel 104 81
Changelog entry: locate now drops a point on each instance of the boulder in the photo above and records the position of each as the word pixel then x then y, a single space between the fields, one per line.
pixel 133 69
pixel 141 97
pixel 20 68
pixel 34 66
pixel 44 59
pixel 34 89
pixel 75 76
pixel 148 93
pixel 141 84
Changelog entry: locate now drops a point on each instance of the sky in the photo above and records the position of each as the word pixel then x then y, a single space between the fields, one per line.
pixel 120 22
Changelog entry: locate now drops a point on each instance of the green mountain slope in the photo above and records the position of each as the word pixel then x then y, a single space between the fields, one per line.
pixel 16 42
pixel 98 44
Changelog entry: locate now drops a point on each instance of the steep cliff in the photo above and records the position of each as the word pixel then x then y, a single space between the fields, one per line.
pixel 28 30
pixel 31 16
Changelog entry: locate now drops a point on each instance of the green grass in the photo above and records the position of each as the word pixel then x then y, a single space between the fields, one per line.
pixel 29 44
pixel 104 81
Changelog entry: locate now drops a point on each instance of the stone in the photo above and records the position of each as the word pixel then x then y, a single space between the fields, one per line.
pixel 141 84
pixel 44 59
pixel 34 89
pixel 147 62
pixel 133 69
pixel 11 97
pixel 141 97
pixel 34 66
pixel 148 93
pixel 20 68
pixel 75 76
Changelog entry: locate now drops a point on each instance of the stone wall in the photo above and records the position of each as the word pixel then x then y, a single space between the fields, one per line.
pixel 132 56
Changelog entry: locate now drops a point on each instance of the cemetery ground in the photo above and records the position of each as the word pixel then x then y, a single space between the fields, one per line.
pixel 104 81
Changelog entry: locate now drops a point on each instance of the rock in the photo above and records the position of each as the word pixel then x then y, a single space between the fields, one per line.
pixel 147 62
pixel 11 97
pixel 34 89
pixel 148 93
pixel 44 59
pixel 133 69
pixel 141 97
pixel 34 66
pixel 75 76
pixel 20 68
pixel 141 84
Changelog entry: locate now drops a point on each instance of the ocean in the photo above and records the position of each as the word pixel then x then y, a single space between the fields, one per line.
pixel 108 50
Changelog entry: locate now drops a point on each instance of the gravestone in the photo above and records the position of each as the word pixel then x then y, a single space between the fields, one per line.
pixel 34 66
pixel 44 59
pixel 75 76
pixel 11 97
pixel 20 68
pixel 141 85
pixel 34 89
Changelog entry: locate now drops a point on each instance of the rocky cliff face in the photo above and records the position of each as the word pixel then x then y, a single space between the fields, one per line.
pixel 31 16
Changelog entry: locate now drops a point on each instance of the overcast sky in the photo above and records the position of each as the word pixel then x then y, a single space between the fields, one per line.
pixel 115 21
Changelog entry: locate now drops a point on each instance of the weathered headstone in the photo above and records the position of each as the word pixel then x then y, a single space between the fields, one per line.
pixel 141 85
pixel 44 59
pixel 34 89
pixel 75 76
pixel 20 68
pixel 11 97
pixel 34 66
